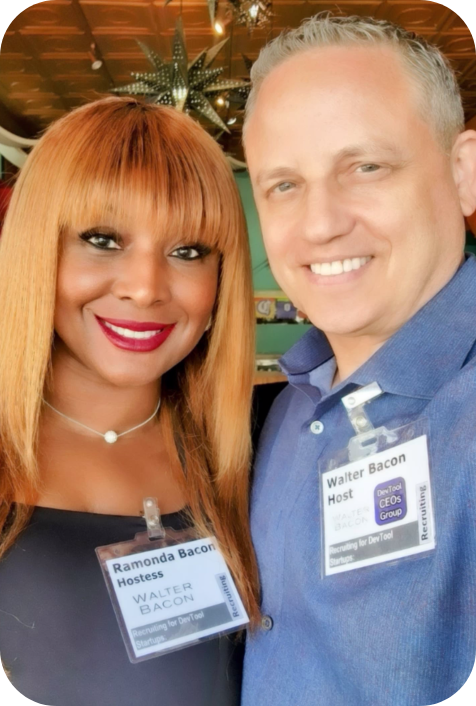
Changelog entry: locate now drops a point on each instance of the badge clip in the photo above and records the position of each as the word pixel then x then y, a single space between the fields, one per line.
pixel 155 529
pixel 366 441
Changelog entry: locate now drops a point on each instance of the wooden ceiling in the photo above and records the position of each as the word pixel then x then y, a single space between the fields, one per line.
pixel 45 58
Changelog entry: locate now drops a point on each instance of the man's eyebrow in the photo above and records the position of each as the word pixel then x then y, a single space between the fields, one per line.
pixel 364 148
pixel 275 173
pixel 357 150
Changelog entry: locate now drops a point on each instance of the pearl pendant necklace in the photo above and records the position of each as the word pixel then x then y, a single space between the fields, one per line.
pixel 110 437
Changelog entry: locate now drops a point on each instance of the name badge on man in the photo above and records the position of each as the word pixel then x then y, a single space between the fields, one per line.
pixel 376 500
pixel 169 591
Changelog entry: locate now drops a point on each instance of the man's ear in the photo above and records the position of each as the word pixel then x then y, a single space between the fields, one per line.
pixel 463 158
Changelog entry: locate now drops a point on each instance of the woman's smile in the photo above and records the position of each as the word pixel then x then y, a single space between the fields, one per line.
pixel 135 335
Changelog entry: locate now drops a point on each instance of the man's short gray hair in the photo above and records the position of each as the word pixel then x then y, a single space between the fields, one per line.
pixel 428 68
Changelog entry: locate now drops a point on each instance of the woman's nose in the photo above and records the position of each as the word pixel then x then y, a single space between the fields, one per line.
pixel 143 279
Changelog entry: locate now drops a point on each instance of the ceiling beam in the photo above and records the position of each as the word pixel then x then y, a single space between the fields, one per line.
pixel 92 40
pixel 14 155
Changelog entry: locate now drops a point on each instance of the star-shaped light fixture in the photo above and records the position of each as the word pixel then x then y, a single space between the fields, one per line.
pixel 183 85
pixel 252 13
pixel 238 96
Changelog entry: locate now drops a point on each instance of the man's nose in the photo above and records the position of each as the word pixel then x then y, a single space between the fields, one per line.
pixel 143 279
pixel 326 213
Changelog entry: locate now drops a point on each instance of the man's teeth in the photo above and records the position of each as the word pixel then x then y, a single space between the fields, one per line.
pixel 337 267
pixel 127 333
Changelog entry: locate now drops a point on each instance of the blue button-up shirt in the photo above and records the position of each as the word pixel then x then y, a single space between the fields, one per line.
pixel 393 634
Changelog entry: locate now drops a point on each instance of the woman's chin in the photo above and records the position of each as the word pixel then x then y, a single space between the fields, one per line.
pixel 128 378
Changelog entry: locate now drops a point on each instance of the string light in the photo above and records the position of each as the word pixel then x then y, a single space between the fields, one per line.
pixel 219 29
pixel 253 11
pixel 96 63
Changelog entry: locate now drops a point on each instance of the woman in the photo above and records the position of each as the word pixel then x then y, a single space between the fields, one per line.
pixel 126 305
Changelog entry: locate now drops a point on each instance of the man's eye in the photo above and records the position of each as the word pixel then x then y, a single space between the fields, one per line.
pixel 284 186
pixel 101 241
pixel 367 168
pixel 191 252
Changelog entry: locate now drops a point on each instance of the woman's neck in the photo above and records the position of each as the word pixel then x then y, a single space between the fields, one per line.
pixel 79 394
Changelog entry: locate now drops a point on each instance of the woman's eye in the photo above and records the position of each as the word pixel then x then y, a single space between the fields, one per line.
pixel 101 241
pixel 190 252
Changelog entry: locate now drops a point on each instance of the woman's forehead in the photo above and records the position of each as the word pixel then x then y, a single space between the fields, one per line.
pixel 133 216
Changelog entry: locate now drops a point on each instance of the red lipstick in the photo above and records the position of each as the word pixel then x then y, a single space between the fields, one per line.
pixel 158 333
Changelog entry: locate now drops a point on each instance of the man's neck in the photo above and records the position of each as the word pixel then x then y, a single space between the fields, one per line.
pixel 352 352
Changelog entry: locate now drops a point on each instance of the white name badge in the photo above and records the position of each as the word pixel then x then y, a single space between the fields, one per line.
pixel 378 508
pixel 169 595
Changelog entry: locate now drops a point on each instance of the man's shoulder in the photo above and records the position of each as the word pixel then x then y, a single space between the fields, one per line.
pixel 459 391
pixel 454 404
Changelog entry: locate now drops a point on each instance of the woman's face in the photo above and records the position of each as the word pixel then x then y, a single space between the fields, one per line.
pixel 130 305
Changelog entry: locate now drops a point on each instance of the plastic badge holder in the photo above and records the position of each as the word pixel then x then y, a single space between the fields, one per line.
pixel 169 589
pixel 375 494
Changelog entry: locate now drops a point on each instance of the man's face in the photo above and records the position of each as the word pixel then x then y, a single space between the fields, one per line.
pixel 358 206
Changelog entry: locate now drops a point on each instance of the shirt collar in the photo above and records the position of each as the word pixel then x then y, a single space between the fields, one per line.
pixel 419 358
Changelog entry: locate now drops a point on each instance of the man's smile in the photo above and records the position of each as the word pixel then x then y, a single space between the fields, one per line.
pixel 337 267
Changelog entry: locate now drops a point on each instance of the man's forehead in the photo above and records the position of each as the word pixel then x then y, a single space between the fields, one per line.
pixel 333 112
pixel 330 73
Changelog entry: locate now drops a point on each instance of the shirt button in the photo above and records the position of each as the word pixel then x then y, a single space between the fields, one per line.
pixel 317 427
pixel 266 622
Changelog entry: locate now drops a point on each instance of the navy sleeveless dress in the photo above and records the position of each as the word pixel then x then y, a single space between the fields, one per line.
pixel 59 638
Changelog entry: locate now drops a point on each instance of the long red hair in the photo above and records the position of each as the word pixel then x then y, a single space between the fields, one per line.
pixel 98 160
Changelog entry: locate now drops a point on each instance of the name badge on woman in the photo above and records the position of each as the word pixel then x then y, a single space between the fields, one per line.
pixel 169 589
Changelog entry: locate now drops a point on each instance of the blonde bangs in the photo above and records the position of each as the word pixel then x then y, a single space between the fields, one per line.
pixel 153 162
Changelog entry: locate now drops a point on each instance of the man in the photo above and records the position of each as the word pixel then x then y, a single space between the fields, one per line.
pixel 362 176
